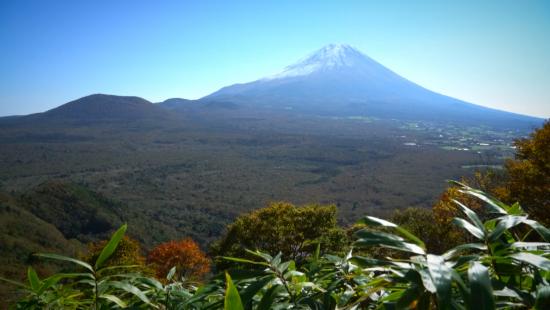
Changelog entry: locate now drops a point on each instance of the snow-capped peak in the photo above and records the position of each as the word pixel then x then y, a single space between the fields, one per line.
pixel 332 56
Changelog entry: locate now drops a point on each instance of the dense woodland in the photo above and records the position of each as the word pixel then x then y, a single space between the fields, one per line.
pixel 66 182
pixel 321 263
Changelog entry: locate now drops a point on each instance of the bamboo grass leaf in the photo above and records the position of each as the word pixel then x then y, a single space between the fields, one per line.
pixel 14 283
pixel 480 285
pixel 232 299
pixel 125 286
pixel 476 232
pixel 114 299
pixel 539 228
pixel 34 281
pixel 374 221
pixel 543 298
pixel 111 246
pixel 463 247
pixel 245 261
pixel 471 215
pixel 171 273
pixel 505 223
pixel 442 279
pixel 67 259
pixel 532 259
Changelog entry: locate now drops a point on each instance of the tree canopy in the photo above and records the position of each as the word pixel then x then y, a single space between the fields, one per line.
pixel 282 227
pixel 529 174
pixel 190 261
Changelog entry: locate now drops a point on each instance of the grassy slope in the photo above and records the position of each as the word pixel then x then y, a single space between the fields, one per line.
pixel 55 217
pixel 21 234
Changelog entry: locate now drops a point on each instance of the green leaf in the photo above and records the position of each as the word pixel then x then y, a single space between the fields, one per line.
pixel 543 298
pixel 471 215
pixel 251 290
pixel 34 281
pixel 317 252
pixel 515 209
pixel 245 274
pixel 391 244
pixel 378 236
pixel 532 259
pixel 530 245
pixel 114 299
pixel 130 289
pixel 480 286
pixel 476 232
pixel 15 283
pixel 375 238
pixel 505 223
pixel 111 268
pixel 507 292
pixel 427 280
pixel 269 297
pixel 462 288
pixel 405 233
pixel 540 229
pixel 268 258
pixel 409 296
pixel 494 204
pixel 151 282
pixel 374 221
pixel 468 246
pixel 282 267
pixel 442 279
pixel 232 299
pixel 54 279
pixel 366 262
pixel 245 261
pixel 171 273
pixel 111 246
pixel 67 259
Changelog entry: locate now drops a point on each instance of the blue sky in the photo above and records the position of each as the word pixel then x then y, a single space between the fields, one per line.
pixel 493 53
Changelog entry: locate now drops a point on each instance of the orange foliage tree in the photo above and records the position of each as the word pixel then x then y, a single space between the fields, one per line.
pixel 185 255
pixel 529 174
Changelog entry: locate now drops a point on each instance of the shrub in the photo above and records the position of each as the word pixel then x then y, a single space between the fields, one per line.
pixel 128 252
pixel 190 262
pixel 439 236
pixel 282 227
pixel 529 174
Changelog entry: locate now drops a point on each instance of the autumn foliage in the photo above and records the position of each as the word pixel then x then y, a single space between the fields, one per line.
pixel 529 174
pixel 185 255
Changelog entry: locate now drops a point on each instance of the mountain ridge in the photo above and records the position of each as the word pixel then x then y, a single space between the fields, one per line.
pixel 103 106
pixel 339 79
pixel 336 80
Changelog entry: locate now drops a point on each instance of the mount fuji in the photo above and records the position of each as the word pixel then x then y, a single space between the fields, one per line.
pixel 340 80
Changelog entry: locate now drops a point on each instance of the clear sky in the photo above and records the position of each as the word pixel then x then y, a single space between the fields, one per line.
pixel 493 53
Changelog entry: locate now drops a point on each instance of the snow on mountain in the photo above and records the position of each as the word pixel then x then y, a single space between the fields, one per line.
pixel 338 79
pixel 334 73
pixel 332 56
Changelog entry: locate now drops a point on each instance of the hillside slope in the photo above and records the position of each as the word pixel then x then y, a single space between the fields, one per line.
pixel 100 106
pixel 54 217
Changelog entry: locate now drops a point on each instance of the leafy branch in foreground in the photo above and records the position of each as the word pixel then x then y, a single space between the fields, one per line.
pixel 93 286
pixel 506 266
pixel 502 269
